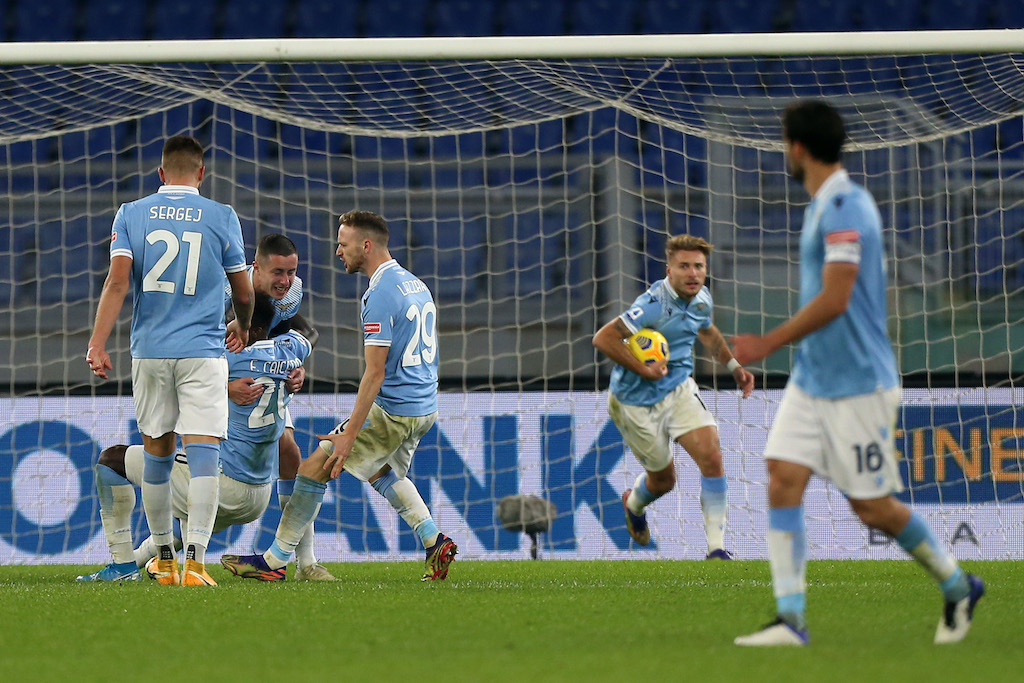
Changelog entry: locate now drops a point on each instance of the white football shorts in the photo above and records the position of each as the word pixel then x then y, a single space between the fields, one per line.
pixel 182 395
pixel 849 441
pixel 239 503
pixel 650 430
pixel 385 439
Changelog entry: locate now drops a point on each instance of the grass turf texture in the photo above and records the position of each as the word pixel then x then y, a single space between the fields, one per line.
pixel 504 621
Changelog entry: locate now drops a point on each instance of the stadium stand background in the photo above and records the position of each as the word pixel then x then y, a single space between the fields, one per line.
pixel 44 253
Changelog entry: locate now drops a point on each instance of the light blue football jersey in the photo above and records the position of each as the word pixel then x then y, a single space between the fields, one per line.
pixel 181 245
pixel 661 309
pixel 249 454
pixel 285 309
pixel 398 311
pixel 851 355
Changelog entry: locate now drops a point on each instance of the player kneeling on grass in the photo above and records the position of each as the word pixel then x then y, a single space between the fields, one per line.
pixel 396 405
pixel 655 404
pixel 247 459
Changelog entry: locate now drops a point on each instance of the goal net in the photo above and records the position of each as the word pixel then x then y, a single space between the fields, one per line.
pixel 531 183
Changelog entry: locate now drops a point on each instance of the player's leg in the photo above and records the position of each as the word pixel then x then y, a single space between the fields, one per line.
pixel 643 430
pixel 793 452
pixel 202 422
pixel 117 502
pixel 703 447
pixel 303 506
pixel 134 464
pixel 308 568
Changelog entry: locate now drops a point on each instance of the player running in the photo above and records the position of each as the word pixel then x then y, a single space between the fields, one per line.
pixel 654 405
pixel 396 405
pixel 838 415
pixel 247 457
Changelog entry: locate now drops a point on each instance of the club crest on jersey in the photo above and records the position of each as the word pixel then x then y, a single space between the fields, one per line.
pixel 371 328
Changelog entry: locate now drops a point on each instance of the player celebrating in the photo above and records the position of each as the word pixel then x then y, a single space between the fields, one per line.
pixel 273 273
pixel 654 405
pixel 395 406
pixel 838 414
pixel 247 455
pixel 175 247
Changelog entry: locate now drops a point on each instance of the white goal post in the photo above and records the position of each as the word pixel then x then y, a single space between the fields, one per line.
pixel 531 182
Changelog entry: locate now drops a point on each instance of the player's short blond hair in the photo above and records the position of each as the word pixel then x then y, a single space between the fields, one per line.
pixel 688 243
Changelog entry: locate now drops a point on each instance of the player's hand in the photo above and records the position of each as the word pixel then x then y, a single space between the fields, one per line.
pixel 99 361
pixel 342 449
pixel 744 380
pixel 654 371
pixel 295 380
pixel 244 391
pixel 750 348
pixel 237 338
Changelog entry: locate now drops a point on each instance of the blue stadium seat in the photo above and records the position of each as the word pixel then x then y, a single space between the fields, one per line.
pixel 463 18
pixel 68 262
pixel 184 20
pixel 396 18
pixel 742 16
pixel 35 21
pixel 603 17
pixel 315 234
pixel 254 19
pixel 891 15
pixel 533 18
pixel 605 131
pixel 999 252
pixel 153 130
pixel 1008 14
pixel 326 19
pixel 450 255
pixel 459 160
pixel 823 15
pixel 115 20
pixel 957 14
pixel 541 253
pixel 673 16
pixel 241 135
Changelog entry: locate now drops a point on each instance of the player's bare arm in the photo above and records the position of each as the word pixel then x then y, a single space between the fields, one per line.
pixel 369 387
pixel 241 304
pixel 838 280
pixel 713 340
pixel 115 289
pixel 608 341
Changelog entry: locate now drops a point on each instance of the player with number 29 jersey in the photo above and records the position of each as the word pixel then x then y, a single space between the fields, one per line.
pixel 168 235
pixel 398 311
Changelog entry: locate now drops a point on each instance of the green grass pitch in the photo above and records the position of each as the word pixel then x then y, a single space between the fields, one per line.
pixel 505 621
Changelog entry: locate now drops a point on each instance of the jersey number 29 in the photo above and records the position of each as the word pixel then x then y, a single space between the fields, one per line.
pixel 151 282
pixel 425 331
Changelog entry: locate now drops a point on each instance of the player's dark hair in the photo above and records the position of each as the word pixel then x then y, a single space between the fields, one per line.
pixel 817 126
pixel 275 244
pixel 688 243
pixel 262 315
pixel 369 223
pixel 182 155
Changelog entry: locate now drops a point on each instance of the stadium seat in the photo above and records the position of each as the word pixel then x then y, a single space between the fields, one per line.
pixel 395 18
pixel 242 135
pixel 532 18
pixel 183 20
pixel 115 20
pixel 602 17
pixel 742 16
pixel 1008 14
pixel 36 21
pixel 449 254
pixel 326 19
pixel 463 18
pixel 891 15
pixel 823 15
pixel 68 261
pixel 540 254
pixel 956 14
pixel 254 19
pixel 673 16
pixel 605 131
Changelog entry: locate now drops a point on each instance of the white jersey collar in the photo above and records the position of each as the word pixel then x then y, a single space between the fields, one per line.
pixel 179 188
pixel 832 183
pixel 262 344
pixel 387 265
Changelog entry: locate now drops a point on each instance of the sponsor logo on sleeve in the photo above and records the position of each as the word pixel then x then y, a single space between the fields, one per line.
pixel 371 328
pixel 842 237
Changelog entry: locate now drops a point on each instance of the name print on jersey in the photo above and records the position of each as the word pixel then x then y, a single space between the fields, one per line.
pixel 176 213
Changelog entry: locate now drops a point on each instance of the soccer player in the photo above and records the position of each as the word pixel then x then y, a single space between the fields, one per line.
pixel 247 456
pixel 175 247
pixel 654 405
pixel 838 414
pixel 273 273
pixel 396 404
